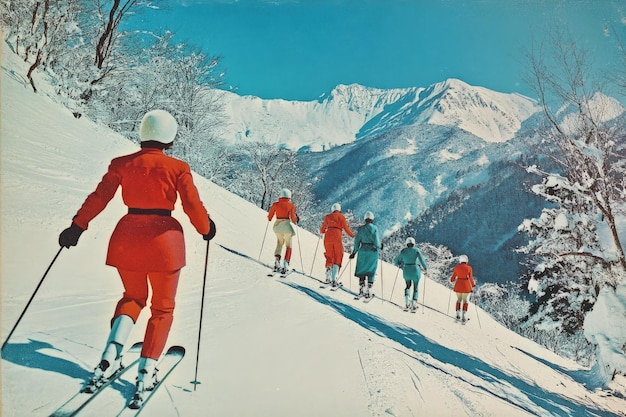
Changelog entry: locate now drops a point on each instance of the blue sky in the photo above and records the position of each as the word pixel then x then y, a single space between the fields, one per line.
pixel 300 49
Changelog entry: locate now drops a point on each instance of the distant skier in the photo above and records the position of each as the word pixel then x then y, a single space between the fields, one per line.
pixel 333 226
pixel 409 260
pixel 463 277
pixel 285 213
pixel 366 244
pixel 147 244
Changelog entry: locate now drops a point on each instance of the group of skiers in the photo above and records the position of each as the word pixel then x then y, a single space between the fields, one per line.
pixel 367 244
pixel 147 246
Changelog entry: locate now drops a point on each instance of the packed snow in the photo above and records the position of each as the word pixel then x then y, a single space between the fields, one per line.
pixel 269 346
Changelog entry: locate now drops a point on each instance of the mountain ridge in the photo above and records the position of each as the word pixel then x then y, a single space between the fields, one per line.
pixel 351 112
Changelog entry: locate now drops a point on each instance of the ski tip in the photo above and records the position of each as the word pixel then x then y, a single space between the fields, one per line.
pixel 176 350
pixel 136 346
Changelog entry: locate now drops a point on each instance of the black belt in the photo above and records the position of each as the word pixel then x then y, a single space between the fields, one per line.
pixel 157 212
pixel 410 264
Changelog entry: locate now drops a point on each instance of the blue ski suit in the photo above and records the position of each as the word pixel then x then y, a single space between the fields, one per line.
pixel 409 259
pixel 366 244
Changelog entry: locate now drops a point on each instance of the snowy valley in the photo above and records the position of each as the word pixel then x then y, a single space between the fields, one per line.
pixel 270 346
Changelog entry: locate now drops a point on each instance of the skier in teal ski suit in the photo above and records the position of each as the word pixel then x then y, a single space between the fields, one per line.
pixel 409 260
pixel 366 244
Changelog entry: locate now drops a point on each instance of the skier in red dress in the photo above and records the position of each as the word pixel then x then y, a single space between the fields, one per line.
pixel 333 226
pixel 463 278
pixel 147 244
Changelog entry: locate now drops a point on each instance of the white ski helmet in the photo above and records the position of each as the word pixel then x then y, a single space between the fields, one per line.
pixel 159 126
pixel 463 259
pixel 335 207
pixel 368 215
pixel 410 241
pixel 285 193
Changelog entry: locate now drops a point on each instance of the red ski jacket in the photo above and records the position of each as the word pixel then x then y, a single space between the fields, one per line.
pixel 464 277
pixel 283 209
pixel 149 180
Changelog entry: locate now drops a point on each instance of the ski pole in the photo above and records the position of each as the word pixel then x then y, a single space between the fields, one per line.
pixel 299 249
pixel 424 295
pixel 195 381
pixel 263 242
pixel 315 254
pixel 394 284
pixel 31 299
pixel 449 300
pixel 347 267
pixel 382 290
pixel 477 317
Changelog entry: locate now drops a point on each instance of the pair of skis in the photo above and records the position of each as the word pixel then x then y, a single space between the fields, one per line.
pixel 81 399
pixel 366 299
pixel 332 287
pixel 412 309
pixel 273 272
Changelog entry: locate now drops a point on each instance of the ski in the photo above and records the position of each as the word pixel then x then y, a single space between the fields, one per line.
pixel 370 298
pixel 287 273
pixel 170 360
pixel 80 400
pixel 336 287
pixel 458 320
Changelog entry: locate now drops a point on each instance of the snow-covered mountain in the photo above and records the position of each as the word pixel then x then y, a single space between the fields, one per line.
pixel 270 347
pixel 350 112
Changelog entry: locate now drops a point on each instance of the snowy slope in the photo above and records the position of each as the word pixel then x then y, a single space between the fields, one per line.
pixel 270 347
pixel 354 111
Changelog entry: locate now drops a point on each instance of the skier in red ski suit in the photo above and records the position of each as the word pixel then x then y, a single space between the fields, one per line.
pixel 147 244
pixel 285 213
pixel 332 228
pixel 463 278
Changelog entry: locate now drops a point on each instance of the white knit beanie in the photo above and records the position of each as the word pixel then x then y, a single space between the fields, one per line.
pixel 159 126
pixel 335 207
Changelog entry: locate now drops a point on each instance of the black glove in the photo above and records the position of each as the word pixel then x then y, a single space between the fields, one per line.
pixel 212 231
pixel 381 246
pixel 69 237
pixel 297 219
pixel 352 255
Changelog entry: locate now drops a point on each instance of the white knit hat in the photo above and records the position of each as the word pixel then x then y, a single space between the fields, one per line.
pixel 410 240
pixel 463 259
pixel 335 207
pixel 159 126
pixel 285 192
pixel 368 215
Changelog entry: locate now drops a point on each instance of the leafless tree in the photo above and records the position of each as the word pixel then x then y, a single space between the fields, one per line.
pixel 582 127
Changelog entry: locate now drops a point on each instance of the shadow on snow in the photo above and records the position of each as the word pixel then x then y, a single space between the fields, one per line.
pixel 31 355
pixel 429 353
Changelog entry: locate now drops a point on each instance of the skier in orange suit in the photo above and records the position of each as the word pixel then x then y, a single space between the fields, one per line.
pixel 332 228
pixel 147 244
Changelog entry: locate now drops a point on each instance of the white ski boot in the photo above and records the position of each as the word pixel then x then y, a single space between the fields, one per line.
pixel 146 380
pixel 111 361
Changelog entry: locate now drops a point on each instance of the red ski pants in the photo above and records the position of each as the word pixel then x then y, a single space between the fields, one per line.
pixel 333 252
pixel 135 297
